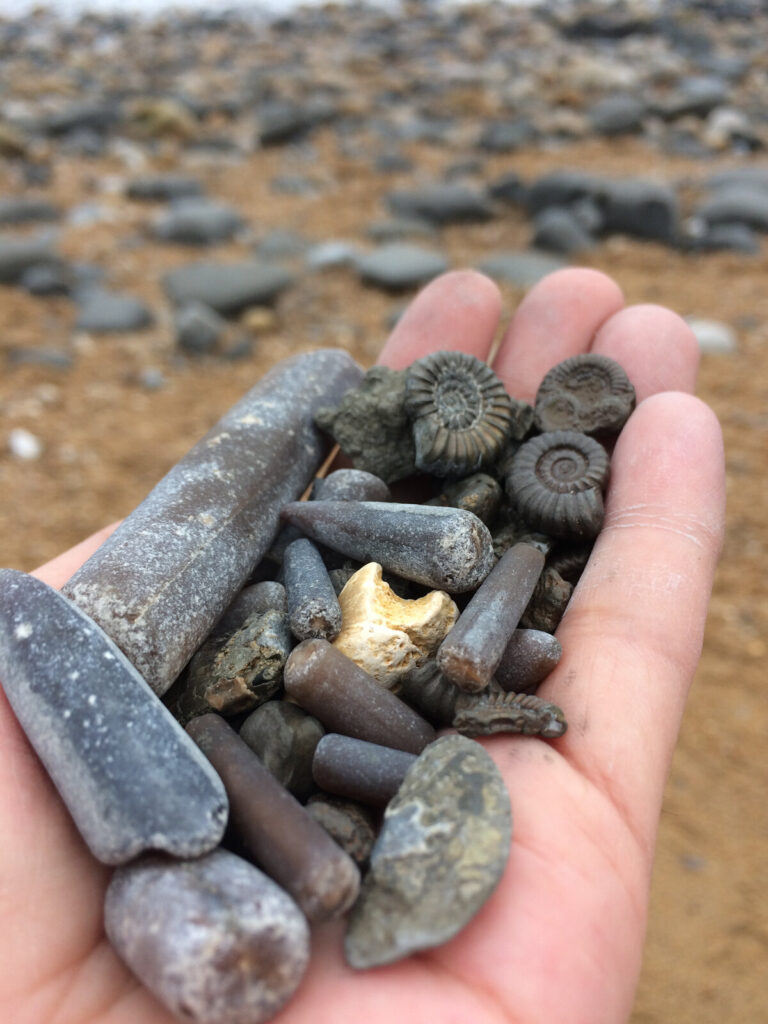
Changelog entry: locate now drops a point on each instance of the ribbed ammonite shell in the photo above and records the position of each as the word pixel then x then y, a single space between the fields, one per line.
pixel 460 410
pixel 587 392
pixel 556 479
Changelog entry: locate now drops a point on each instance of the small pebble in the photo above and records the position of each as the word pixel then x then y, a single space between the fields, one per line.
pixel 528 658
pixel 24 445
pixel 347 823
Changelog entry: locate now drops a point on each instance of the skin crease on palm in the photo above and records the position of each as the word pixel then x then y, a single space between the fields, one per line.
pixel 561 939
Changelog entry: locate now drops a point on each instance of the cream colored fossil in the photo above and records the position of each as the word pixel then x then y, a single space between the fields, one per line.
pixel 388 635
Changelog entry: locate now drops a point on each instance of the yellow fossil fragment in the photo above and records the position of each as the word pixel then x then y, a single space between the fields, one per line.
pixel 388 635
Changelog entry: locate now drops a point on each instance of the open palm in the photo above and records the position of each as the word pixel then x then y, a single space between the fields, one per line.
pixel 560 941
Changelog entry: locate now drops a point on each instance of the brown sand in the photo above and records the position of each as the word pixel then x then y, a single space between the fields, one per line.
pixel 108 440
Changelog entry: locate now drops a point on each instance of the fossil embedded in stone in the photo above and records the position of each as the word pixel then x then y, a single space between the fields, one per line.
pixel 479 494
pixel 548 603
pixel 510 712
pixel 557 479
pixel 371 426
pixel 588 392
pixel 442 849
pixel 460 410
pixel 385 634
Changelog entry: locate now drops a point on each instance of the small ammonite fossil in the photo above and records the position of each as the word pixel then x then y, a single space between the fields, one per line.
pixel 461 413
pixel 588 392
pixel 510 712
pixel 557 479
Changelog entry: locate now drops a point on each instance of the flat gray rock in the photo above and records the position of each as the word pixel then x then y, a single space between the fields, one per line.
pixel 20 252
pixel 112 312
pixel 442 204
pixel 162 187
pixel 214 939
pixel 713 335
pixel 199 329
pixel 400 265
pixel 641 208
pixel 197 221
pixel 558 229
pixel 229 288
pixel 747 204
pixel 25 210
pixel 130 777
pixel 441 852
pixel 523 268
pixel 620 114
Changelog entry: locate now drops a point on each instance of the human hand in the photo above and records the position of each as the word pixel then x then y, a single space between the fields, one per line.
pixel 561 938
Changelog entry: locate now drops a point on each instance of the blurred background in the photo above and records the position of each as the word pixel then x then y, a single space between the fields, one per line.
pixel 304 170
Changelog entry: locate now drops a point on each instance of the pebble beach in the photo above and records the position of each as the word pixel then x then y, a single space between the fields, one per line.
pixel 188 198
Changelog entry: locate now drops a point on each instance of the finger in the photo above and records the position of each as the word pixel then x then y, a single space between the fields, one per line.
pixel 632 633
pixel 558 318
pixel 458 310
pixel 56 572
pixel 656 348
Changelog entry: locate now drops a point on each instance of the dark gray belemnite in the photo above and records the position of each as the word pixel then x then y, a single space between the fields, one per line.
pixel 443 548
pixel 284 840
pixel 284 737
pixel 130 777
pixel 158 585
pixel 474 647
pixel 213 938
pixel 350 485
pixel 349 701
pixel 359 770
pixel 528 658
pixel 313 607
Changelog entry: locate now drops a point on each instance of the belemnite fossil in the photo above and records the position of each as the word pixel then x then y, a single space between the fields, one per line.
pixel 511 499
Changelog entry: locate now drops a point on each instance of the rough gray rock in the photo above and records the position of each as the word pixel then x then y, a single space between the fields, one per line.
pixel 20 252
pixel 162 188
pixel 442 850
pixel 621 114
pixel 557 229
pixel 199 329
pixel 197 221
pixel 442 204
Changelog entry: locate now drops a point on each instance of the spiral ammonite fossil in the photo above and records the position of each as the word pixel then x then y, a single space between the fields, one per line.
pixel 588 392
pixel 460 410
pixel 557 479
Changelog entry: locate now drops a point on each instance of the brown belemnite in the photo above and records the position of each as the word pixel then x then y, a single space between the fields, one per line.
pixel 557 480
pixel 460 410
pixel 588 392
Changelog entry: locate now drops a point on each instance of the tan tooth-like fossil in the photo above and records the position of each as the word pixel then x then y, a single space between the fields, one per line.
pixel 388 635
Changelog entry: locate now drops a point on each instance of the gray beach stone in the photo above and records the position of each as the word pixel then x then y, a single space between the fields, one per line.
pixel 26 210
pixel 130 777
pixel 562 188
pixel 643 209
pixel 736 205
pixel 215 939
pixel 199 329
pixel 166 575
pixel 332 253
pixel 523 268
pixel 713 335
pixel 162 188
pixel 197 221
pixel 47 279
pixel 229 288
pixel 111 312
pixel 557 229
pixel 506 136
pixel 400 265
pixel 20 252
pixel 442 204
pixel 620 114
pixel 433 866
